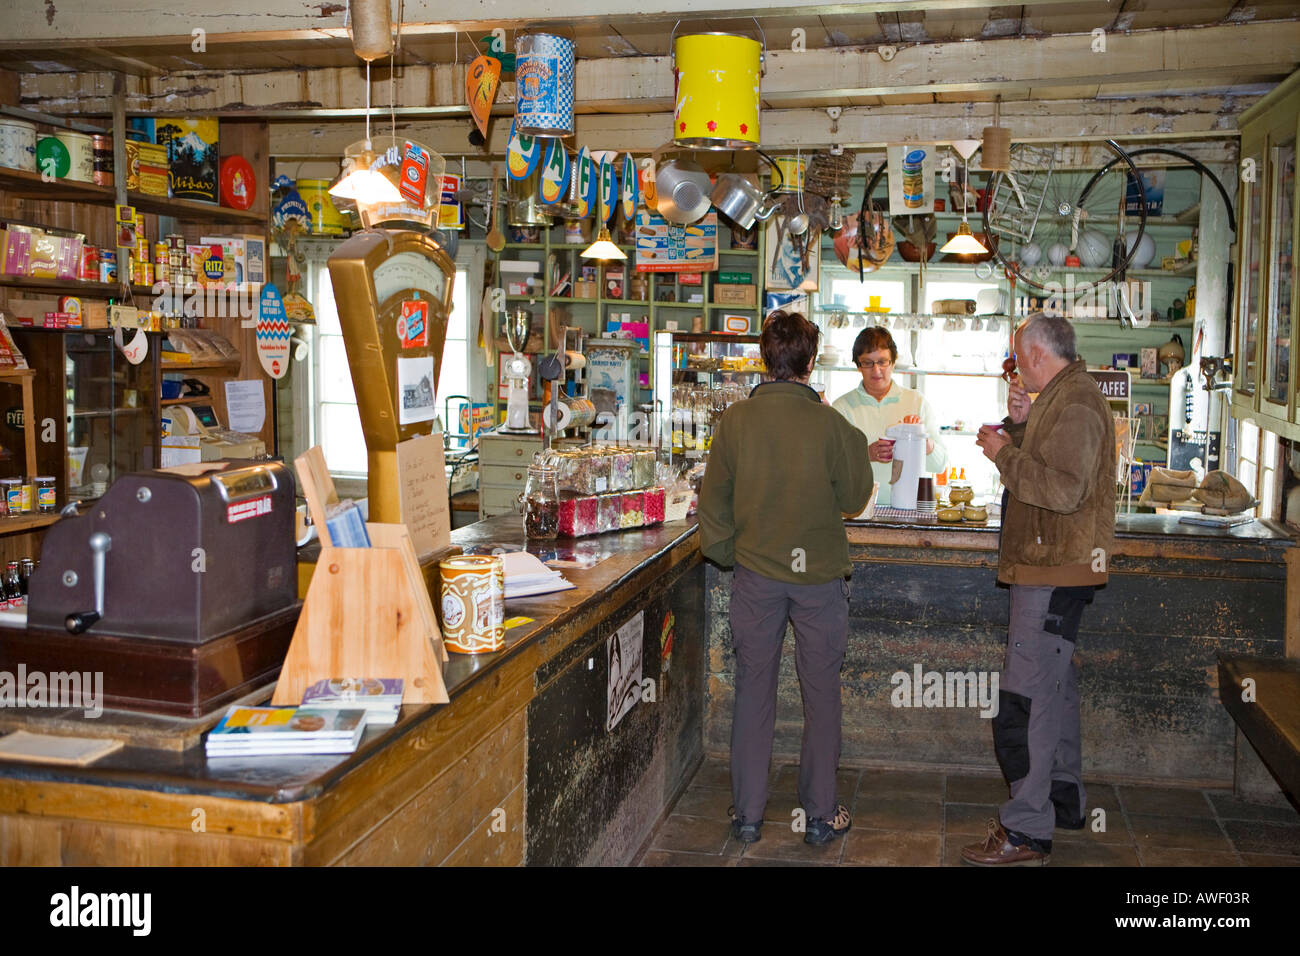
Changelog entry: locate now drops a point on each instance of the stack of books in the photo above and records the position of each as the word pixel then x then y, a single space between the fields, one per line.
pixel 286 731
pixel 380 698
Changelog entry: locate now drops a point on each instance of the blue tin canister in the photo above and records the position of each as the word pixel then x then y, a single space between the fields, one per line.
pixel 544 77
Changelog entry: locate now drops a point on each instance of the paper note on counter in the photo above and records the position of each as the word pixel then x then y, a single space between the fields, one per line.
pixel 422 488
pixel 245 406
pixel 48 748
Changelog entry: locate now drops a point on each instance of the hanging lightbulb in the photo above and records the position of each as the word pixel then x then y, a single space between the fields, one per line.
pixel 359 182
pixel 603 247
pixel 836 217
pixel 964 242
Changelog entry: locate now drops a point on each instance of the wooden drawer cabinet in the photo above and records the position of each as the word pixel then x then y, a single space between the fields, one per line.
pixel 503 469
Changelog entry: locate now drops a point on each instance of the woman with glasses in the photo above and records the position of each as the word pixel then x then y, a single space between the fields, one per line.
pixel 880 402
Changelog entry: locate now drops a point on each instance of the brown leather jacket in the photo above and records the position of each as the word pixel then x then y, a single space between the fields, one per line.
pixel 1059 524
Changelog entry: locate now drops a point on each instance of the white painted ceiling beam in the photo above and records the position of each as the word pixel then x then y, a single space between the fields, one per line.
pixel 136 22
pixel 1207 119
pixel 1188 59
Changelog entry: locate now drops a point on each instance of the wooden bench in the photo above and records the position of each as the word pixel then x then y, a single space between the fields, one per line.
pixel 1271 721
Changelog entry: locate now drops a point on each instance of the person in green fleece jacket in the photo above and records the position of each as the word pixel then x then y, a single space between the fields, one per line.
pixel 783 470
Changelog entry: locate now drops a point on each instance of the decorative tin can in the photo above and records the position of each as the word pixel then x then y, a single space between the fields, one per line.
pixel 326 220
pixel 103 155
pixel 17 144
pixel 146 168
pixel 88 270
pixel 792 168
pixel 717 77
pixel 473 603
pixel 544 85
pixel 81 154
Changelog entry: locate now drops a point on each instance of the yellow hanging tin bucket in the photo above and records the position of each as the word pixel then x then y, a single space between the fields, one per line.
pixel 326 220
pixel 718 78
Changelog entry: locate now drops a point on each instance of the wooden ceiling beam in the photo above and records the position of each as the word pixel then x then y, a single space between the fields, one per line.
pixel 1202 118
pixel 160 22
pixel 1200 58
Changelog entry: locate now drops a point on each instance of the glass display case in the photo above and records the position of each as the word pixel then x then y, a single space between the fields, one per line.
pixel 111 421
pixel 1280 272
pixel 697 376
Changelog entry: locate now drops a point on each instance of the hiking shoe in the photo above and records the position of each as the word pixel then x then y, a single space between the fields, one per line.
pixel 742 831
pixel 821 832
pixel 999 848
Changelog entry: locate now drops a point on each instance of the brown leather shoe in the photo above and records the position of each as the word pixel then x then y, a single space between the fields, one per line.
pixel 998 850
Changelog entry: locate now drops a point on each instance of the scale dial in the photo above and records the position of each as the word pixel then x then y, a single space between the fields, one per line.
pixel 406 271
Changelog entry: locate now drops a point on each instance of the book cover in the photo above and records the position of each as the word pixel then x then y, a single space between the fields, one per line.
pixel 366 692
pixel 288 723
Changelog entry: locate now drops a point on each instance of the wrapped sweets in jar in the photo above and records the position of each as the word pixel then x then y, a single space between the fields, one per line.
pixel 609 512
pixel 643 468
pixel 633 515
pixel 655 499
pixel 578 514
pixel 620 469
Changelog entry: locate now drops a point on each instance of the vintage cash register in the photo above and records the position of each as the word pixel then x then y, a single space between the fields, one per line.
pixel 180 585
pixel 186 428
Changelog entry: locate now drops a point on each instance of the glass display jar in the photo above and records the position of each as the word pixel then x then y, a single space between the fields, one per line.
pixel 540 502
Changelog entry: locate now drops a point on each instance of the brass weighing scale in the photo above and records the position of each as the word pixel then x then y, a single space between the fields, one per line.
pixel 393 292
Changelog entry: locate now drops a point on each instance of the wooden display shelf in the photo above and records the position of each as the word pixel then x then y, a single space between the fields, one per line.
pixel 187 400
pixel 108 290
pixel 19 182
pixel 26 523
pixel 230 367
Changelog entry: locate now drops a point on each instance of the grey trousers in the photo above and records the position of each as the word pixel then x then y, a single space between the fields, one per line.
pixel 760 607
pixel 1036 731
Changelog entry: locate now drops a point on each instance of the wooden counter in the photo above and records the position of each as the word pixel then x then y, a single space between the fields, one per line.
pixel 518 768
pixel 927 596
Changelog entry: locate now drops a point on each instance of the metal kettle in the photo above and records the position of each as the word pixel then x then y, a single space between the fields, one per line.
pixel 742 202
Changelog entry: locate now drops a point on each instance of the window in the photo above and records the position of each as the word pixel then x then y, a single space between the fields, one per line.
pixel 1257 466
pixel 336 423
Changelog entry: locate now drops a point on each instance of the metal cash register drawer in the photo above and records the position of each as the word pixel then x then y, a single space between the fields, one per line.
pixel 503 468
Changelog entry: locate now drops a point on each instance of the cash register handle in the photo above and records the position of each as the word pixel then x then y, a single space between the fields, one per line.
pixel 78 623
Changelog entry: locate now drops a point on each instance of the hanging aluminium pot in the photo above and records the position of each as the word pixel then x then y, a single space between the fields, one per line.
pixel 682 190
pixel 525 206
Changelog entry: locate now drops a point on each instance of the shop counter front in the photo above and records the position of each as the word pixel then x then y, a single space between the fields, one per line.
pixel 526 764
pixel 926 613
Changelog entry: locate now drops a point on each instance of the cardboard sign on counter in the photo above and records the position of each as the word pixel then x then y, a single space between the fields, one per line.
pixel 422 485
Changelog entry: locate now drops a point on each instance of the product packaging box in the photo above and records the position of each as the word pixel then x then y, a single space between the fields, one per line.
pixel 1150 363
pixel 192 156
pixel 734 294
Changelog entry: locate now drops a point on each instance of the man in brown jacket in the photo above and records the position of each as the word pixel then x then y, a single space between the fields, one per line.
pixel 1056 456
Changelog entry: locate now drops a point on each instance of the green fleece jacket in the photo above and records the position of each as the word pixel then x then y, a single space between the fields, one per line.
pixel 783 470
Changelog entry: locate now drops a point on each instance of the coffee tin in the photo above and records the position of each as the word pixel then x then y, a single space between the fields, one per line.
pixel 473 603
pixel 544 76
pixel 103 152
pixel 81 155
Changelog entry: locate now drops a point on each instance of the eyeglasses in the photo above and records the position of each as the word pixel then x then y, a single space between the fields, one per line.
pixel 880 363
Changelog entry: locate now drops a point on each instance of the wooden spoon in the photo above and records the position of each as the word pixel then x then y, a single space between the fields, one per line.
pixel 496 240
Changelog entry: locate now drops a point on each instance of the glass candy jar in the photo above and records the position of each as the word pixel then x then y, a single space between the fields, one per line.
pixel 540 502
